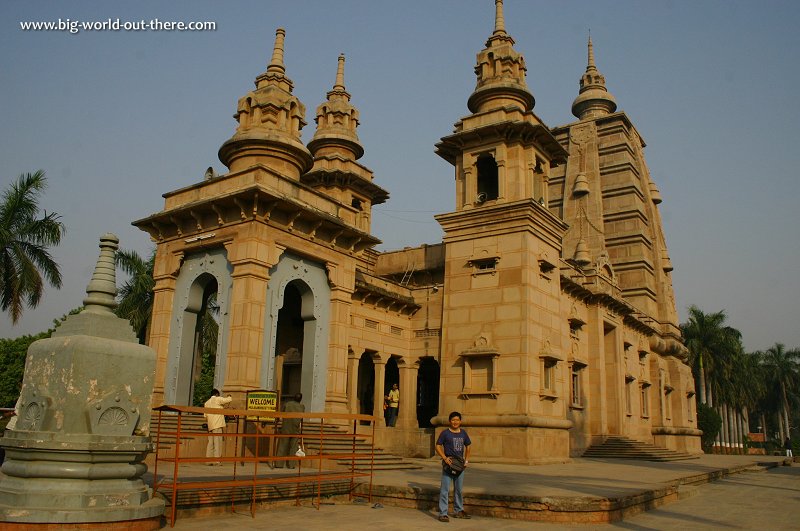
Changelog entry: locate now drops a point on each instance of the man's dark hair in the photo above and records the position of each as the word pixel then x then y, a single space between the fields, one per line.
pixel 298 397
pixel 453 415
pixel 215 392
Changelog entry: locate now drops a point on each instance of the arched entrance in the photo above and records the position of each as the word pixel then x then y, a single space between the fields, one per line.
pixel 198 339
pixel 296 327
pixel 289 341
pixel 427 392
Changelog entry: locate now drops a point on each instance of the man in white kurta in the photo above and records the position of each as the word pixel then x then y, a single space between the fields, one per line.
pixel 216 422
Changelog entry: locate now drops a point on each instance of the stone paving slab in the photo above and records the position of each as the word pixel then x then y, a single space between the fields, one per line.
pixel 748 500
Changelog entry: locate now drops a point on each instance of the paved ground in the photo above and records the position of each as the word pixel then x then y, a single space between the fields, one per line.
pixel 749 500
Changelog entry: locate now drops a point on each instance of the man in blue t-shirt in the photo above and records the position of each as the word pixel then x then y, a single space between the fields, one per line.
pixel 452 442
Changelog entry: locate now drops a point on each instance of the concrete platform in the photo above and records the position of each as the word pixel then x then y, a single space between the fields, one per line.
pixel 585 491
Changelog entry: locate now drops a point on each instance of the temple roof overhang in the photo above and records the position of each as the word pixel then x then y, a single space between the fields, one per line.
pixel 524 132
pixel 255 202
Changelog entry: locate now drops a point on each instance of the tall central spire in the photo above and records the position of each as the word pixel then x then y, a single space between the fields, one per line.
pixel 593 99
pixel 500 72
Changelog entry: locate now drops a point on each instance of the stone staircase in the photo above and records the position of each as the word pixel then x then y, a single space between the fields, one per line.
pixel 380 460
pixel 619 447
pixel 190 424
pixel 332 445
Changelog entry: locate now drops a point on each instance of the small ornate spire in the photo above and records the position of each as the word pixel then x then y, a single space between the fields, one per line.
pixel 276 64
pixel 593 98
pixel 337 120
pixel 499 21
pixel 339 85
pixel 102 289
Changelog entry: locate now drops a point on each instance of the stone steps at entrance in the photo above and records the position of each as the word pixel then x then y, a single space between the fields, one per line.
pixel 381 459
pixel 619 447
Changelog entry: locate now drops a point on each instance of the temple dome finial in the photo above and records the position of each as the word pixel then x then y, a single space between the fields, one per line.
pixel 500 71
pixel 337 120
pixel 499 21
pixel 270 120
pixel 276 63
pixel 593 98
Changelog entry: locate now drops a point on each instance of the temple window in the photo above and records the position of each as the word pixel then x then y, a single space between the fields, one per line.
pixel 488 187
pixel 576 391
pixel 645 400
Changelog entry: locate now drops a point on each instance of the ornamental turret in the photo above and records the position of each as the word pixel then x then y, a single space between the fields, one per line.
pixel 500 71
pixel 337 120
pixel 336 148
pixel 270 120
pixel 593 99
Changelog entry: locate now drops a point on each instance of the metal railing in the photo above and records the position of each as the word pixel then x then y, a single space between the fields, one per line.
pixel 256 448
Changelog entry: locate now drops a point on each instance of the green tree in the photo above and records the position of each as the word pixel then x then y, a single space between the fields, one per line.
pixel 712 346
pixel 136 294
pixel 783 376
pixel 25 237
pixel 12 360
pixel 710 422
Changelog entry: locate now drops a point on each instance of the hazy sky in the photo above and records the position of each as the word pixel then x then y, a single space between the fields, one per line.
pixel 118 118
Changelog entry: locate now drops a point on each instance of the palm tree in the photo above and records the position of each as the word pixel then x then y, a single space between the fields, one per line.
pixel 783 372
pixel 711 347
pixel 136 294
pixel 25 237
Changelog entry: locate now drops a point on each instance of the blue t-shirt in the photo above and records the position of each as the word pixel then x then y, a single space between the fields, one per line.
pixel 453 443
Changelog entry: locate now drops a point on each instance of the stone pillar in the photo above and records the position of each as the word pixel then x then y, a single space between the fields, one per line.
pixel 352 382
pixel 407 417
pixel 279 359
pixel 247 307
pixel 336 394
pixel 380 376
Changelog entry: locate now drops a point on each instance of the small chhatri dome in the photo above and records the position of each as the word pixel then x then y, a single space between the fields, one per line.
pixel 270 119
pixel 593 99
pixel 337 120
pixel 500 71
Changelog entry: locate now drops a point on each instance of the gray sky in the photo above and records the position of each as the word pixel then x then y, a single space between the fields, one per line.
pixel 118 118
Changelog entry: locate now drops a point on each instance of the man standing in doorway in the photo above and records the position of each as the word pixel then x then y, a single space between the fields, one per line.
pixel 453 446
pixel 288 445
pixel 215 422
pixel 393 398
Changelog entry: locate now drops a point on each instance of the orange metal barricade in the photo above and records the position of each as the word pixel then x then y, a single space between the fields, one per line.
pixel 323 466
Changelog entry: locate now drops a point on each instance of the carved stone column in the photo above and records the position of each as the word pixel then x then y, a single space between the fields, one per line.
pixel 352 382
pixel 407 417
pixel 380 376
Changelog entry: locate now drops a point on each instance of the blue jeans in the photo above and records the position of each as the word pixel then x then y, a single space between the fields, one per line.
pixel 392 419
pixel 444 493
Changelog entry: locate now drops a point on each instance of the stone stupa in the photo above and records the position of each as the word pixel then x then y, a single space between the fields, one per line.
pixel 76 454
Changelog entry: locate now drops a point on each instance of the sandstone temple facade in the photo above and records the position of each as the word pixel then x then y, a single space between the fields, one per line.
pixel 546 315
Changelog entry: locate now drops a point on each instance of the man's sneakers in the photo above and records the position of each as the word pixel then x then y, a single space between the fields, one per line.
pixel 460 514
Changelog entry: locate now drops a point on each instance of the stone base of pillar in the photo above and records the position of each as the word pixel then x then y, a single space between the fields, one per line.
pixel 75 479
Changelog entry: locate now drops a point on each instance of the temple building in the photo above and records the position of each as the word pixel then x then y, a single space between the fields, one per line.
pixel 546 316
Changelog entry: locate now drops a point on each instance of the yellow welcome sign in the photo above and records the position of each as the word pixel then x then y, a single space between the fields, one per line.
pixel 262 401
